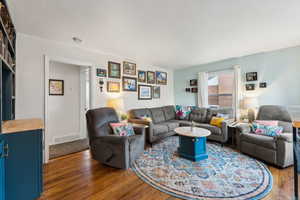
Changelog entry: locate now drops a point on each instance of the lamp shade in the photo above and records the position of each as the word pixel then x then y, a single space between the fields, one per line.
pixel 250 102
pixel 116 104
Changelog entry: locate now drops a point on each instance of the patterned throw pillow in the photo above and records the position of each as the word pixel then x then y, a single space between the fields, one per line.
pixel 122 129
pixel 267 122
pixel 271 131
pixel 183 112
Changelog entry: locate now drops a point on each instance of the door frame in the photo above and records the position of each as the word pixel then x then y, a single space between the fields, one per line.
pixel 47 60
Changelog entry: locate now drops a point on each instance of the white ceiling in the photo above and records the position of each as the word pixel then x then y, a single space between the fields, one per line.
pixel 167 33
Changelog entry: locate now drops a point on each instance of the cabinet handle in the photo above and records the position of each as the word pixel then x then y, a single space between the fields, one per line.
pixel 6 150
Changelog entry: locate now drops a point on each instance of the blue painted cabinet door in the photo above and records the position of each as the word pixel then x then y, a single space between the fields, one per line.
pixel 2 170
pixel 23 166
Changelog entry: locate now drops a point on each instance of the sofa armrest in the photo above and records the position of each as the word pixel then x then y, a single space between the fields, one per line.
pixel 140 121
pixel 286 137
pixel 243 128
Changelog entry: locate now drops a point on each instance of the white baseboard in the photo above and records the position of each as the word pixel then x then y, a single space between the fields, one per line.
pixel 66 138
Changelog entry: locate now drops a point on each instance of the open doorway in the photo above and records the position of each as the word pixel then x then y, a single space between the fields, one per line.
pixel 65 123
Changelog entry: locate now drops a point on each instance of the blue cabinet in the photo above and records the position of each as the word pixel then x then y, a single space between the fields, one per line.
pixel 2 171
pixel 22 165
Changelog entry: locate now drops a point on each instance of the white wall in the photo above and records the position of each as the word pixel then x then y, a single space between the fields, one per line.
pixel 64 111
pixel 30 76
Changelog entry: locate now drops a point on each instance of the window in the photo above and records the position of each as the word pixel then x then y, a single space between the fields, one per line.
pixel 220 88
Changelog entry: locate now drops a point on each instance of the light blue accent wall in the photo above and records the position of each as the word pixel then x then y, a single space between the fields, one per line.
pixel 280 69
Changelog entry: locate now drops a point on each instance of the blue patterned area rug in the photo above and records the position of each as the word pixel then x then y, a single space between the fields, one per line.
pixel 226 174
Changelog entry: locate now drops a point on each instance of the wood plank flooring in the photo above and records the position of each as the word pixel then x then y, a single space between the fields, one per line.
pixel 77 176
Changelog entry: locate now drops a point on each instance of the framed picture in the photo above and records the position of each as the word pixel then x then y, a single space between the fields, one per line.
pixel 56 87
pixel 129 84
pixel 250 87
pixel 193 82
pixel 141 76
pixel 161 78
pixel 251 76
pixel 101 72
pixel 156 92
pixel 188 89
pixel 113 86
pixel 263 85
pixel 194 90
pixel 114 70
pixel 150 77
pixel 129 68
pixel 144 92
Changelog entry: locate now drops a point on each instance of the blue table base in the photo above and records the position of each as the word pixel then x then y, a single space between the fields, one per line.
pixel 192 148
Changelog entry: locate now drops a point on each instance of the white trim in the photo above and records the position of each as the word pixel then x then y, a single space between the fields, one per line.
pixel 47 60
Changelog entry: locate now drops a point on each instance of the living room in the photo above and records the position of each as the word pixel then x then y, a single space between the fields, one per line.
pixel 149 99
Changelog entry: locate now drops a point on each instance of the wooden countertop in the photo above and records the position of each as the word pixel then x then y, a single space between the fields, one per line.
pixel 20 125
pixel 296 124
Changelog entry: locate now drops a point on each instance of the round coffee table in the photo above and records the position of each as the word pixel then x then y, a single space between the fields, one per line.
pixel 192 142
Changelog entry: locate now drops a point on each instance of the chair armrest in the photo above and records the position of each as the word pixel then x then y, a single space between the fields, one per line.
pixel 138 130
pixel 287 137
pixel 112 139
pixel 243 128
pixel 140 121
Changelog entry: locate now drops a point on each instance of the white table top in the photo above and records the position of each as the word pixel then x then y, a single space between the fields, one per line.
pixel 196 132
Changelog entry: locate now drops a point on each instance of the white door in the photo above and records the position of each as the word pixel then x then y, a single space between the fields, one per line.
pixel 84 98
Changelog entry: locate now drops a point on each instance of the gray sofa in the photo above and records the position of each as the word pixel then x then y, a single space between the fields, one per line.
pixel 164 121
pixel 274 150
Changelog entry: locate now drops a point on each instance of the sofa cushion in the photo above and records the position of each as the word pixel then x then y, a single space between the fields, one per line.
pixel 169 112
pixel 261 140
pixel 159 129
pixel 182 122
pixel 213 112
pixel 199 115
pixel 171 125
pixel 213 129
pixel 157 115
pixel 139 113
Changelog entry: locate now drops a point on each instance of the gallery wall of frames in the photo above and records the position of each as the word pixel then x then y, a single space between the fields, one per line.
pixel 127 78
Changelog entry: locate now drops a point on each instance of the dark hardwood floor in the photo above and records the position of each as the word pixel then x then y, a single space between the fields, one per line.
pixel 77 177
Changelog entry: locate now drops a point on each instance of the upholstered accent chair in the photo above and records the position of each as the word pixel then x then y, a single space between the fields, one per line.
pixel 274 150
pixel 109 149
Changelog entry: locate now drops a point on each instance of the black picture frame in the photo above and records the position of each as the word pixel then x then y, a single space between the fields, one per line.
pixel 193 82
pixel 161 78
pixel 194 90
pixel 250 87
pixel 112 72
pixel 62 89
pixel 188 89
pixel 156 92
pixel 151 79
pixel 139 92
pixel 251 76
pixel 142 76
pixel 263 85
pixel 124 78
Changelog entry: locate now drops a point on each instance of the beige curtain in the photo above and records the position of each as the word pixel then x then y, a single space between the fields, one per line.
pixel 238 91
pixel 203 89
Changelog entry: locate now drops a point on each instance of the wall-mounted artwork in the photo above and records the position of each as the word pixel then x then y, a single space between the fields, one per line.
pixel 129 68
pixel 263 85
pixel 250 87
pixel 251 76
pixel 193 82
pixel 194 90
pixel 129 84
pixel 142 76
pixel 150 77
pixel 188 89
pixel 161 78
pixel 113 86
pixel 101 72
pixel 56 87
pixel 156 92
pixel 144 92
pixel 114 70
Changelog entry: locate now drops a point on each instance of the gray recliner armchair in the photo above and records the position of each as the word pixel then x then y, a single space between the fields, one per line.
pixel 115 151
pixel 274 150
